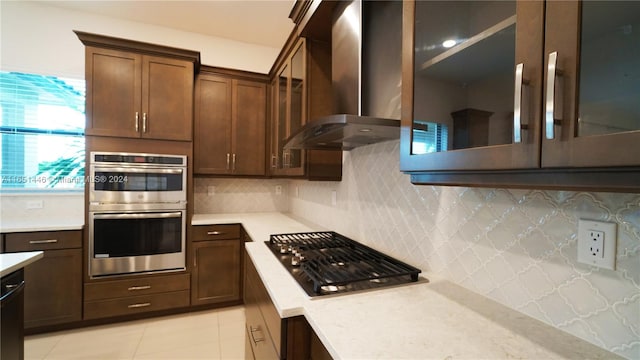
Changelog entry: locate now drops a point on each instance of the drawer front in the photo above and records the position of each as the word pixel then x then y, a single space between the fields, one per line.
pixel 43 240
pixel 259 309
pixel 216 232
pixel 135 287
pixel 259 345
pixel 135 304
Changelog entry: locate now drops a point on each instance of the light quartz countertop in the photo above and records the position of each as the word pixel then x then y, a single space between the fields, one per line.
pixel 40 224
pixel 11 262
pixel 429 319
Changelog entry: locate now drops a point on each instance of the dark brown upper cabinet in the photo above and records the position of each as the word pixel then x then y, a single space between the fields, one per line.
pixel 138 90
pixel 230 123
pixel 521 94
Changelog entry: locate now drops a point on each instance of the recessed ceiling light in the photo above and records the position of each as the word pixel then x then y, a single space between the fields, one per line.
pixel 449 43
pixel 365 130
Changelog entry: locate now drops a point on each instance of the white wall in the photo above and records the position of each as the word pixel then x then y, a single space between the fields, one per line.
pixel 38 38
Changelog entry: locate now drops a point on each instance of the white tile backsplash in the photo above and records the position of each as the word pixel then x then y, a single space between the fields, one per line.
pixel 517 247
pixel 239 195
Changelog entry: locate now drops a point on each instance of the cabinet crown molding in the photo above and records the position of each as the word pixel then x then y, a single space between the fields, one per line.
pixel 102 41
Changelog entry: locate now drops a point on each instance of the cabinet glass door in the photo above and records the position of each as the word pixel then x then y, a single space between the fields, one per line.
pixel 609 80
pixel 592 84
pixel 297 103
pixel 464 76
pixel 283 81
pixel 465 86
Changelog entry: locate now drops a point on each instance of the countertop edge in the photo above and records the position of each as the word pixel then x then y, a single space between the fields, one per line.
pixel 37 228
pixel 11 262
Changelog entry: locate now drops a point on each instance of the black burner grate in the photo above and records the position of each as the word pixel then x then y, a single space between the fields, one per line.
pixel 328 262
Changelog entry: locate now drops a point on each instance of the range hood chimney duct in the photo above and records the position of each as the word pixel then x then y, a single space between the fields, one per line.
pixel 366 71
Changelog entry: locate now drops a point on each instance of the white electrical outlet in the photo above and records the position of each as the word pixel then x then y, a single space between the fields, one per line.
pixel 211 190
pixel 35 204
pixel 278 189
pixel 334 198
pixel 597 243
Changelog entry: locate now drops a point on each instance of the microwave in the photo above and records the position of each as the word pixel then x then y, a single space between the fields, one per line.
pixel 134 178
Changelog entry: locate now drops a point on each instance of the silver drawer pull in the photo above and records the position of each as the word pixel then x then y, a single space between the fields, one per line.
pixel 252 330
pixel 215 233
pixel 50 241
pixel 144 287
pixel 141 305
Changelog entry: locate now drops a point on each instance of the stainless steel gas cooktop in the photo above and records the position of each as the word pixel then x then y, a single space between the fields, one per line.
pixel 326 263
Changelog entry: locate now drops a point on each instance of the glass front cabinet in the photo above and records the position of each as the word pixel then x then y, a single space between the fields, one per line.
pixel 289 113
pixel 521 87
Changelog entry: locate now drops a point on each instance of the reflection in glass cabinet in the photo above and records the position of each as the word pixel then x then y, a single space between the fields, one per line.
pixel 464 74
pixel 609 88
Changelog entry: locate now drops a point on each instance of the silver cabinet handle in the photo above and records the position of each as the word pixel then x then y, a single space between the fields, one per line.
pixel 143 287
pixel 253 331
pixel 11 290
pixel 144 122
pixel 137 121
pixel 228 161
pixel 233 164
pixel 520 104
pixel 49 241
pixel 553 103
pixel 215 232
pixel 141 305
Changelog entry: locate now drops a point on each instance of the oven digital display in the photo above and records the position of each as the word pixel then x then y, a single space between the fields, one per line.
pixel 123 181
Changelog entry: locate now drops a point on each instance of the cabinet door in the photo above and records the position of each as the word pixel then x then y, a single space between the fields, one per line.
pixel 464 105
pixel 249 127
pixel 167 99
pixel 212 138
pixel 216 271
pixel 113 92
pixel 592 105
pixel 53 292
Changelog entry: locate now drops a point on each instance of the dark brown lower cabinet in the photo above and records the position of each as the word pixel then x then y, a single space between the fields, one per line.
pixel 215 276
pixel 267 335
pixel 53 291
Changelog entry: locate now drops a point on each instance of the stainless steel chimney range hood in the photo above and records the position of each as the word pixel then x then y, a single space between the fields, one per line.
pixel 343 132
pixel 366 77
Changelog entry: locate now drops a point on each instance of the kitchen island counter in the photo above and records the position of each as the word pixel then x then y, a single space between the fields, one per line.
pixel 40 224
pixel 432 318
pixel 11 262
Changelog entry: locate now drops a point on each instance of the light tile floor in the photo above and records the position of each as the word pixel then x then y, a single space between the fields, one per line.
pixel 211 334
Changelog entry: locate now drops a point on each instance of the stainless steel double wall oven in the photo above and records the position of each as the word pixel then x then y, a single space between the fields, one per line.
pixel 137 213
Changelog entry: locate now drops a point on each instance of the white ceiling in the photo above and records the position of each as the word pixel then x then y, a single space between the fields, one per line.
pixel 262 22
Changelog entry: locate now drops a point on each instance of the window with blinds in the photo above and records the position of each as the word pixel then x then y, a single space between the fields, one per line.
pixel 429 137
pixel 42 132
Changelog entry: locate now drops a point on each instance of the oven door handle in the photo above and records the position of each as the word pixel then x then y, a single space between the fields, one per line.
pixel 152 215
pixel 150 170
